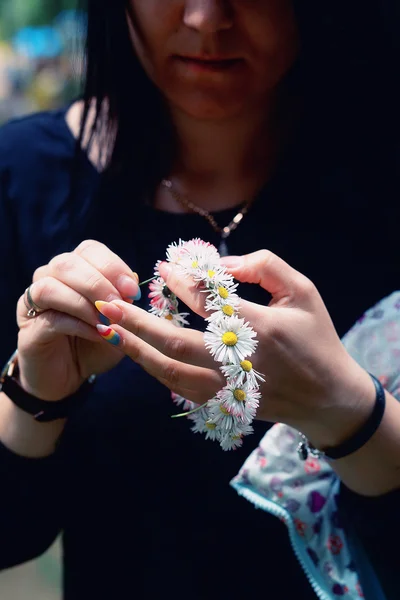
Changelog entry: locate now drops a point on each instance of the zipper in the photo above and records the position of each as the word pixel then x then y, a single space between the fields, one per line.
pixel 310 571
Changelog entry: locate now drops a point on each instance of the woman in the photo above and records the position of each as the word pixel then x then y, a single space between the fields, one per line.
pixel 234 104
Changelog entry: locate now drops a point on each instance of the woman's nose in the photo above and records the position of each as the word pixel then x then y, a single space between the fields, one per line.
pixel 208 16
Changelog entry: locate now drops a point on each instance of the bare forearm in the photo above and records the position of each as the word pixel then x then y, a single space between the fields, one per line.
pixel 23 435
pixel 374 469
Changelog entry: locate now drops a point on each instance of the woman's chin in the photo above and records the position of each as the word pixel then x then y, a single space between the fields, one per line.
pixel 208 110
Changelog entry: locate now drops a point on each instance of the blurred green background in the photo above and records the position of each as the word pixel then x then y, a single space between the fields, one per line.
pixel 40 68
pixel 40 54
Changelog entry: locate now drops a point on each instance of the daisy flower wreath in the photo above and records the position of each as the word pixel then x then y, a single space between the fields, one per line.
pixel 227 417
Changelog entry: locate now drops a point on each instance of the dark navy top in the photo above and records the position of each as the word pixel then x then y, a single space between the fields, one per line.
pixel 145 505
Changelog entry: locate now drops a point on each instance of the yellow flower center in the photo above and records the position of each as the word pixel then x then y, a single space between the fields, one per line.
pixel 223 292
pixel 228 310
pixel 195 264
pixel 246 365
pixel 210 425
pixel 169 317
pixel 230 339
pixel 240 395
pixel 224 410
pixel 236 437
pixel 210 273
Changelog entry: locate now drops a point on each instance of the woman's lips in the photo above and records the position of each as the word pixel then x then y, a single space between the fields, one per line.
pixel 198 64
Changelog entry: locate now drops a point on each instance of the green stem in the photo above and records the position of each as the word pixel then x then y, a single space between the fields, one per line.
pixel 147 281
pixel 188 413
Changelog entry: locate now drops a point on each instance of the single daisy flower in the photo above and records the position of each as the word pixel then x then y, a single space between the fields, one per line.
pixel 221 417
pixel 199 418
pixel 221 311
pixel 175 252
pixel 212 431
pixel 214 275
pixel 235 440
pixel 240 401
pixel 177 319
pixel 202 252
pixel 161 297
pixel 231 340
pixel 199 261
pixel 158 312
pixel 231 442
pixel 222 294
pixel 242 372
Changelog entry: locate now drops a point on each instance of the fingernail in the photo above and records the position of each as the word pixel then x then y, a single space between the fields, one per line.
pixel 164 269
pixel 99 304
pixel 111 312
pixel 137 297
pixel 136 277
pixel 232 262
pixel 108 334
pixel 104 320
pixel 127 286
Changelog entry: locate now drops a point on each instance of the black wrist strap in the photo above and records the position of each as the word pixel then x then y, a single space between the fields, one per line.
pixel 367 431
pixel 43 411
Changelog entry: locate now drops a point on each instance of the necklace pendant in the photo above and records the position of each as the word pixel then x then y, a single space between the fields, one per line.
pixel 223 248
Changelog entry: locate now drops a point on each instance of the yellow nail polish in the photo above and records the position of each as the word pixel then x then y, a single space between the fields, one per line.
pixel 136 276
pixel 99 304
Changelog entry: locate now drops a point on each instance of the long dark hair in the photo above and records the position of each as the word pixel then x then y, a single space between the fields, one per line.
pixel 346 75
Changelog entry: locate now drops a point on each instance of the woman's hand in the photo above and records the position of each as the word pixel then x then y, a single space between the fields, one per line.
pixel 311 382
pixel 60 347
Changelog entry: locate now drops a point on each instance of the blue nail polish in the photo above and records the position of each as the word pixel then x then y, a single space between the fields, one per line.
pixel 114 339
pixel 137 297
pixel 104 320
pixel 108 334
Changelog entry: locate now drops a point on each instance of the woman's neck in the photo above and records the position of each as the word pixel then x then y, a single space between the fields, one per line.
pixel 219 165
pixel 222 164
pixel 215 150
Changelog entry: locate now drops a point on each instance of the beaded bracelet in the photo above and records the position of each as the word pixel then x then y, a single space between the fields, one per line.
pixel 226 417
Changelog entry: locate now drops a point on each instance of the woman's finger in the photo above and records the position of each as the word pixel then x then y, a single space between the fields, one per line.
pixel 195 296
pixel 75 272
pixel 201 383
pixel 111 266
pixel 185 288
pixel 98 265
pixel 50 324
pixel 184 345
pixel 40 272
pixel 272 273
pixel 49 293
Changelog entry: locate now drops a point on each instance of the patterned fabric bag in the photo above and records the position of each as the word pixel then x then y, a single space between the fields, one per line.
pixel 303 494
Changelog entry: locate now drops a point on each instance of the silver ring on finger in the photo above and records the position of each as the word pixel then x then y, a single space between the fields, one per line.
pixel 33 308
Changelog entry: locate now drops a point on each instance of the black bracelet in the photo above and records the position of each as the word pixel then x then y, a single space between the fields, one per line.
pixel 359 439
pixel 43 411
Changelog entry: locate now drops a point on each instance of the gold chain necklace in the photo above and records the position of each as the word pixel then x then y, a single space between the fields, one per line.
pixel 223 231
